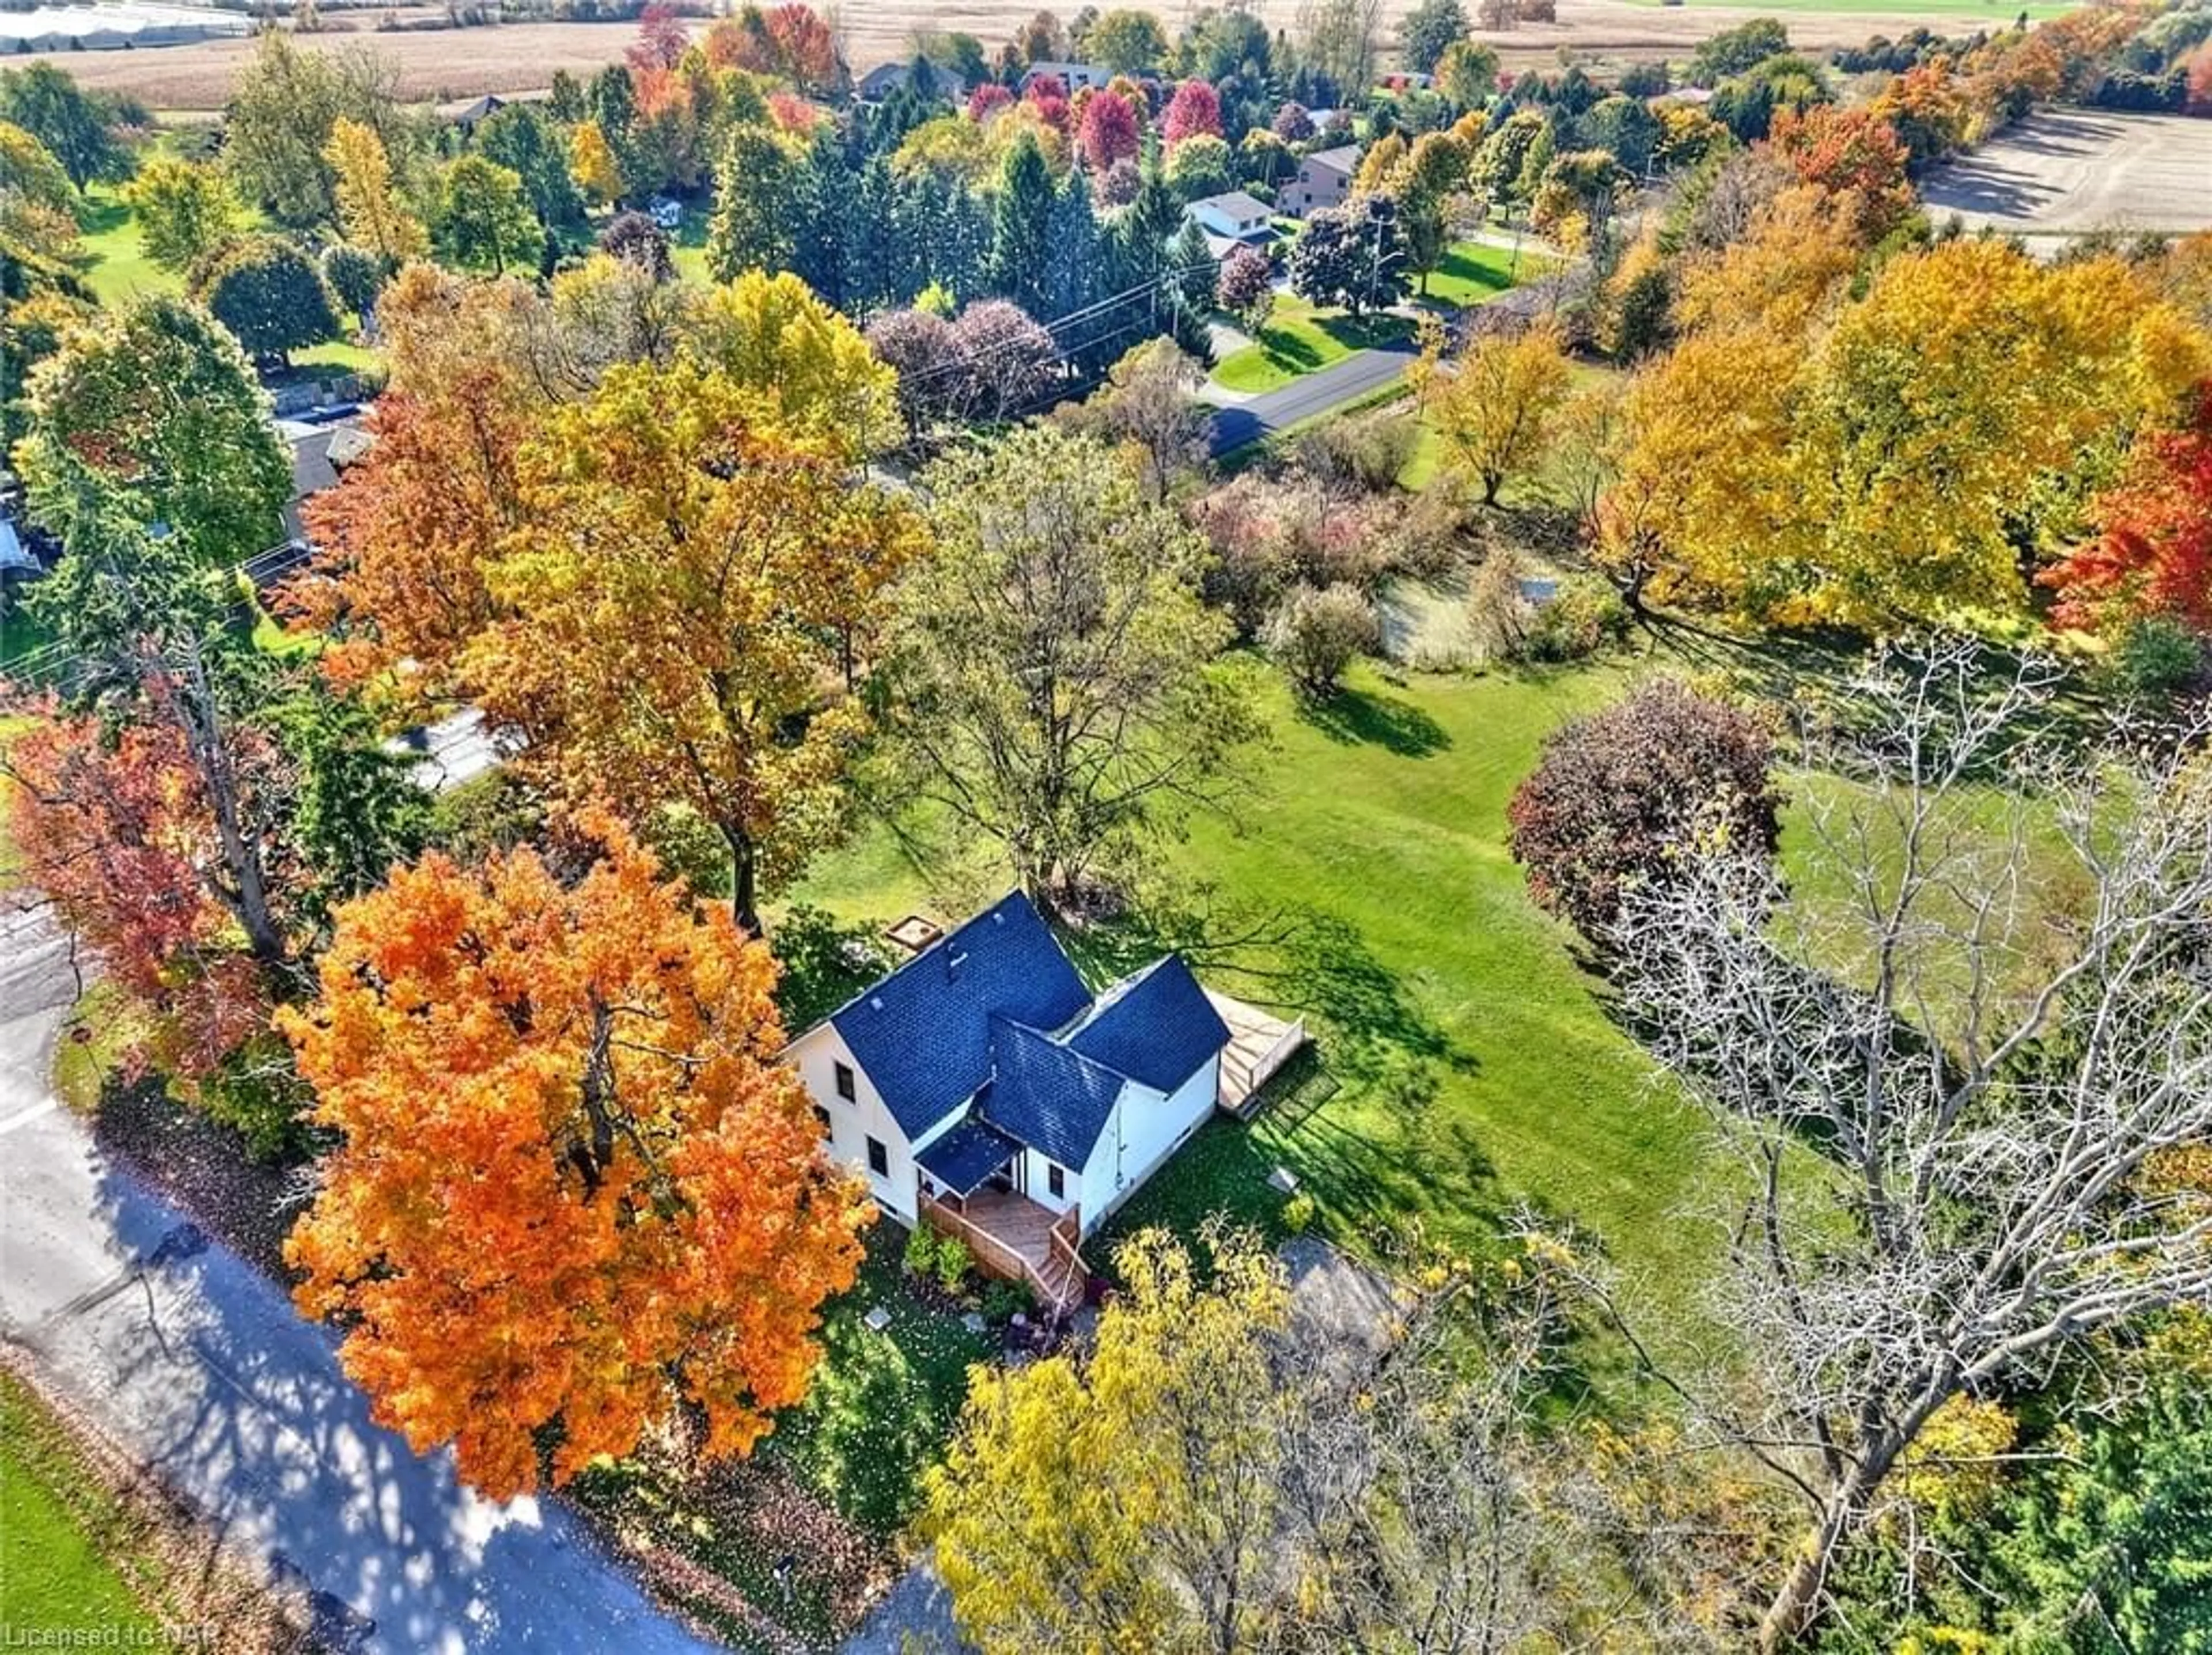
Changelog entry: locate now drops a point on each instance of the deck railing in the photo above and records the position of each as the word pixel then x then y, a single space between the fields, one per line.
pixel 997 1258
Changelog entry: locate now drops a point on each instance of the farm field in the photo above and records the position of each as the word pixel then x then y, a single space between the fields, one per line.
pixel 2064 172
pixel 435 64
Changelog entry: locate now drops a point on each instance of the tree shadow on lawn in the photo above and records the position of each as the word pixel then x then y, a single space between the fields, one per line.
pixel 1364 334
pixel 1289 350
pixel 1811 667
pixel 1353 716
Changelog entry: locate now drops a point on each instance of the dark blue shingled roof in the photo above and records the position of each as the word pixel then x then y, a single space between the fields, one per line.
pixel 923 1034
pixel 967 1155
pixel 1160 1030
pixel 1053 1099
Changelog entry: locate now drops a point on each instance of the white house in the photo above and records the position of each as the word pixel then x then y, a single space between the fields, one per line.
pixel 1231 220
pixel 982 1088
pixel 1073 77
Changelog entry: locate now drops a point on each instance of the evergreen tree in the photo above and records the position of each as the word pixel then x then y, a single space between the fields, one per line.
pixel 875 256
pixel 1074 256
pixel 823 228
pixel 1021 226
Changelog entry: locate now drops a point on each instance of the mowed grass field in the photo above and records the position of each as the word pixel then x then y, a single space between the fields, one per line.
pixel 56 1575
pixel 1467 1062
pixel 114 265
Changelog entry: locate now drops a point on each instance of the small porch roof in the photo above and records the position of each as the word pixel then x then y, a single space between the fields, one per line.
pixel 967 1155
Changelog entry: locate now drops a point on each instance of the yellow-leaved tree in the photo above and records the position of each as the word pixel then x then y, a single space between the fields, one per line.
pixel 1492 407
pixel 1101 1504
pixel 685 607
pixel 371 214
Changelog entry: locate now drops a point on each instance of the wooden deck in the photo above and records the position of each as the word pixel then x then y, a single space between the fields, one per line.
pixel 1019 1240
pixel 1258 1045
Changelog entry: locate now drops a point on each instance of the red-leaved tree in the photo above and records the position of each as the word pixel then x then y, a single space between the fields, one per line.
pixel 2154 556
pixel 1110 132
pixel 114 830
pixel 1623 796
pixel 1195 111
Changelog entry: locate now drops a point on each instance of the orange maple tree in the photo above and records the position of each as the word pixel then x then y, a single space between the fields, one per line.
pixel 574 1189
pixel 2155 553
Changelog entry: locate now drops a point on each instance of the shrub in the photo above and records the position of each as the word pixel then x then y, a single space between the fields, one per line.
pixel 256 1090
pixel 1298 1213
pixel 954 1261
pixel 633 238
pixel 1366 451
pixel 1498 615
pixel 921 1252
pixel 1316 633
pixel 2157 658
pixel 1614 794
pixel 1004 1300
pixel 1584 614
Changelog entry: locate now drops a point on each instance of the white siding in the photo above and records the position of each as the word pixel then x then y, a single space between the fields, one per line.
pixel 1146 1128
pixel 1038 1170
pixel 815 1055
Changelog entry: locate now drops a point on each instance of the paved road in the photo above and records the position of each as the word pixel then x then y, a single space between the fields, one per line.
pixel 197 1363
pixel 1354 377
pixel 1363 373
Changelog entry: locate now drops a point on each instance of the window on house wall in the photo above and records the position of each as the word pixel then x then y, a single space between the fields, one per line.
pixel 822 1116
pixel 880 1158
pixel 845 1087
pixel 1056 1181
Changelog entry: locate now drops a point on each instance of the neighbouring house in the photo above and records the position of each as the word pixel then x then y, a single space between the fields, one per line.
pixel 472 114
pixel 1073 77
pixel 1324 180
pixel 881 82
pixel 1232 219
pixel 983 1089
pixel 321 452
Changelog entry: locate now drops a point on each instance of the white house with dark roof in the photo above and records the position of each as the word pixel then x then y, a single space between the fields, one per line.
pixel 983 1089
pixel 1231 220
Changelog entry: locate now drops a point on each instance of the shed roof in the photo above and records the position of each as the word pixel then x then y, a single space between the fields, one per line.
pixel 968 1154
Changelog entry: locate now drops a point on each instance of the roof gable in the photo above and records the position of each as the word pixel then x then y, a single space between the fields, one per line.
pixel 1157 1027
pixel 924 1033
pixel 1054 1099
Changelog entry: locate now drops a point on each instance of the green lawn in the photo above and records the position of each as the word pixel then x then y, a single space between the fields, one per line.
pixel 56 1527
pixel 1472 271
pixel 1297 340
pixel 1467 1060
pixel 882 1403
pixel 114 262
